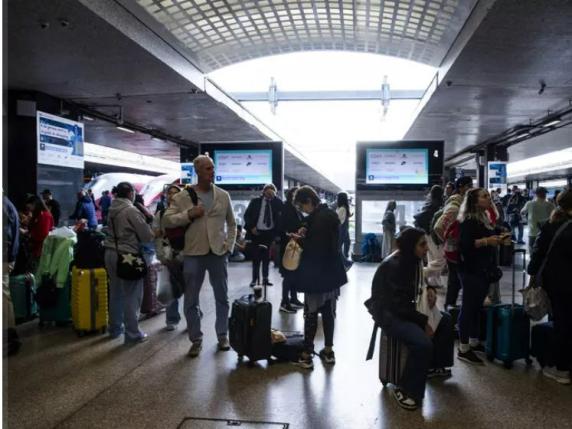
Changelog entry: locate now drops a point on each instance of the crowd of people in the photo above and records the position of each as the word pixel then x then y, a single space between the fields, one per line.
pixel 195 232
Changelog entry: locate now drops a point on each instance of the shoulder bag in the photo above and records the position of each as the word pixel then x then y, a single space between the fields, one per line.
pixel 292 256
pixel 130 266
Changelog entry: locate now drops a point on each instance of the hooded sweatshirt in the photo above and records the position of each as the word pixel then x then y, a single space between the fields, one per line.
pixel 130 226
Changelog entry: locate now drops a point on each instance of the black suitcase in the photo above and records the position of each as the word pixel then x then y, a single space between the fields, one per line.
pixel 249 328
pixel 392 357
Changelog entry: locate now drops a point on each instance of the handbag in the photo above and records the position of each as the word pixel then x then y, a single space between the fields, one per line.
pixel 130 266
pixel 536 301
pixel 292 256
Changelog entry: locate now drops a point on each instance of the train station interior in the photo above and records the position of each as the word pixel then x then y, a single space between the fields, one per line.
pixel 319 93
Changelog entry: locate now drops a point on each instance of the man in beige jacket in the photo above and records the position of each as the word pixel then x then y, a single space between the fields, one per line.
pixel 205 210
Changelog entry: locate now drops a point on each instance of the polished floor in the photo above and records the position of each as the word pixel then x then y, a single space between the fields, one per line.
pixel 61 381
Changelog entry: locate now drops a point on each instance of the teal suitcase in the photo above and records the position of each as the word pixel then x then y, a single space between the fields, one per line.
pixel 61 312
pixel 508 326
pixel 22 290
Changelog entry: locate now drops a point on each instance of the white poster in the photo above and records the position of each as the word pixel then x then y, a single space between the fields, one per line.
pixel 243 167
pixel 60 141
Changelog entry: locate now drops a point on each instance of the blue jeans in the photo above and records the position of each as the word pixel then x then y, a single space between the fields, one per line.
pixel 173 317
pixel 419 358
pixel 124 301
pixel 195 268
pixel 475 289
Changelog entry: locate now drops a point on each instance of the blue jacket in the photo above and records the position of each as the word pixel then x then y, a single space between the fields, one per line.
pixel 85 209
pixel 11 230
pixel 105 203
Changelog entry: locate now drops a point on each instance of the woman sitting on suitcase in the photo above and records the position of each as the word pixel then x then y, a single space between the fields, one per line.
pixel 321 272
pixel 395 290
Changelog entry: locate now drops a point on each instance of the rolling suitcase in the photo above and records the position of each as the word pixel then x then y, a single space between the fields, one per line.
pixel 508 326
pixel 22 289
pixel 392 357
pixel 60 312
pixel 89 300
pixel 150 306
pixel 249 328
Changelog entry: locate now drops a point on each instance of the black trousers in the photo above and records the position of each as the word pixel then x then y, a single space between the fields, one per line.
pixel 311 326
pixel 562 319
pixel 261 256
pixel 453 285
pixel 288 289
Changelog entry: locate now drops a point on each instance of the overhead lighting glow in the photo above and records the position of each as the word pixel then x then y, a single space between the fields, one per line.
pixel 127 130
pixel 87 118
pixel 552 123
pixel 540 164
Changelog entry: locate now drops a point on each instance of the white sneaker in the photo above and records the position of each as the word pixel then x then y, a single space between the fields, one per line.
pixel 562 377
pixel 172 326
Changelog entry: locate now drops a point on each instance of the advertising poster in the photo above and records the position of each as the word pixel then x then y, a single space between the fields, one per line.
pixel 188 176
pixel 243 167
pixel 60 141
pixel 397 166
pixel 497 176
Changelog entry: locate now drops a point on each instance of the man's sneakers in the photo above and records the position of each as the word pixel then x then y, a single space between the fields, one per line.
pixel 305 361
pixel 562 377
pixel 328 357
pixel 266 282
pixel 296 303
pixel 470 357
pixel 439 373
pixel 252 283
pixel 223 344
pixel 479 348
pixel 140 339
pixel 195 349
pixel 172 326
pixel 287 308
pixel 404 401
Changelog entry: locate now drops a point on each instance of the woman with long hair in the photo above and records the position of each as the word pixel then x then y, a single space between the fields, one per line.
pixel 555 279
pixel 40 224
pixel 321 272
pixel 389 226
pixel 344 215
pixel 477 244
pixel 396 289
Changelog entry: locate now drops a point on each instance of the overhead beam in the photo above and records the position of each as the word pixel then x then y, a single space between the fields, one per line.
pixel 347 95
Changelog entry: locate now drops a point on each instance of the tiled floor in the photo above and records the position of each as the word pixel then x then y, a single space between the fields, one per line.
pixel 59 380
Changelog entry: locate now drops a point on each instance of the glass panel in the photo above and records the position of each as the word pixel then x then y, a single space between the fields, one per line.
pixel 373 211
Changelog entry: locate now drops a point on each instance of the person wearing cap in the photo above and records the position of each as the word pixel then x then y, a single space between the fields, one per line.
pixel 261 219
pixel 538 212
pixel 450 213
pixel 53 206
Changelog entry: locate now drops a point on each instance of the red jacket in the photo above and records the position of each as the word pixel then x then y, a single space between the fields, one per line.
pixel 39 230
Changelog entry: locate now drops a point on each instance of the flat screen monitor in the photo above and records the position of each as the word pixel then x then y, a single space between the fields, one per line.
pixel 404 165
pixel 246 166
pixel 397 166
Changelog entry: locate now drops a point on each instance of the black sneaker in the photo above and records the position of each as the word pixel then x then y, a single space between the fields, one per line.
pixel 327 357
pixel 296 303
pixel 439 372
pixel 479 348
pixel 470 357
pixel 404 401
pixel 267 283
pixel 287 308
pixel 252 283
pixel 304 362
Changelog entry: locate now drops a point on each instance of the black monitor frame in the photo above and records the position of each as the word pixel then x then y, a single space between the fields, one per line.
pixel 277 161
pixel 435 163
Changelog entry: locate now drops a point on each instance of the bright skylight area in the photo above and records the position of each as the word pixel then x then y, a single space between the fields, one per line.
pixel 326 132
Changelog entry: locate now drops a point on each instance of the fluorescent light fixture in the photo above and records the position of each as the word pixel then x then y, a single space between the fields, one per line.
pixel 552 123
pixel 127 130
pixel 87 118
pixel 120 158
pixel 540 164
pixel 556 183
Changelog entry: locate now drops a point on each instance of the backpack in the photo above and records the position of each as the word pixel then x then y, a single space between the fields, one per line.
pixel 452 236
pixel 370 248
pixel 176 236
pixel 89 251
pixel 432 233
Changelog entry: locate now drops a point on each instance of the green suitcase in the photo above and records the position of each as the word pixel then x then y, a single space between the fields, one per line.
pixel 22 289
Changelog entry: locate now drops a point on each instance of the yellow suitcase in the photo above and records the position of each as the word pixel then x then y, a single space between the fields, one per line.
pixel 89 300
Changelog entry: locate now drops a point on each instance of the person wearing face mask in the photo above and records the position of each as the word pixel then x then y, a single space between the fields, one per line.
pixel 261 219
pixel 477 244
pixel 129 229
pixel 321 273
pixel 395 290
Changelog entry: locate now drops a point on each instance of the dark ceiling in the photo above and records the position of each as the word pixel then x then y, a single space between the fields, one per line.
pixel 495 81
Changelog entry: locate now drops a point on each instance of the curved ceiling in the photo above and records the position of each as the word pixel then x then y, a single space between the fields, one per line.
pixel 217 33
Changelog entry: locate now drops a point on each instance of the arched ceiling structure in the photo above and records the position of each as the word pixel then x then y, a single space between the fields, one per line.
pixel 217 33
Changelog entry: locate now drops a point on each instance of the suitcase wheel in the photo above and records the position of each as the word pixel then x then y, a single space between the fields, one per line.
pixel 80 333
pixel 103 330
pixel 507 364
pixel 490 358
pixel 41 324
pixel 528 361
pixel 384 383
pixel 240 358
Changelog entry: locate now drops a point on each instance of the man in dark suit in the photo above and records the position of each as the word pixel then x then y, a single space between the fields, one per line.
pixel 261 219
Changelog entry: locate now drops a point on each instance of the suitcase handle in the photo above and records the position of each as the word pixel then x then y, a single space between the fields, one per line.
pixel 514 253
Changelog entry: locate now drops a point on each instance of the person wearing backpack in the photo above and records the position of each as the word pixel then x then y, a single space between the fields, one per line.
pixel 389 229
pixel 477 267
pixel 171 259
pixel 555 279
pixel 446 229
pixel 423 220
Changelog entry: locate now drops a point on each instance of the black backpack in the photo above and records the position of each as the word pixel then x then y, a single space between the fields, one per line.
pixel 89 251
